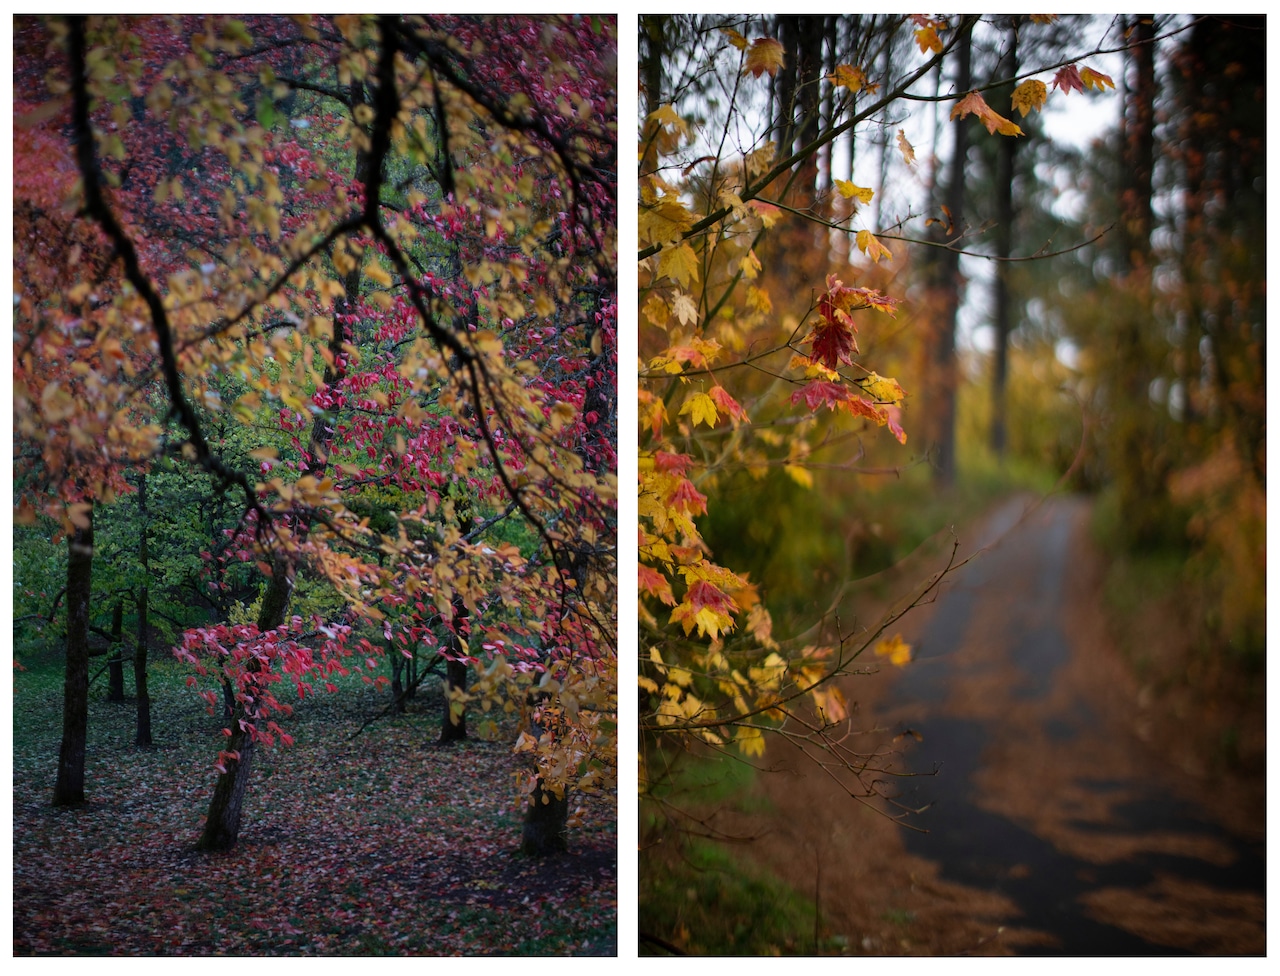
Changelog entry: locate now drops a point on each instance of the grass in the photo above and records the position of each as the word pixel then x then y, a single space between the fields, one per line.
pixel 382 844
pixel 709 903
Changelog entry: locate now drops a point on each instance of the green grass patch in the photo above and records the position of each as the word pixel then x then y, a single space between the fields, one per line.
pixel 708 901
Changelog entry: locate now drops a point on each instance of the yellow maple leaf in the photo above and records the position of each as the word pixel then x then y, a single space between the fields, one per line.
pixel 974 104
pixel 850 190
pixel 1031 94
pixel 679 264
pixel 895 649
pixel 871 247
pixel 1096 79
pixel 765 54
pixel 656 311
pixel 749 740
pixel 663 221
pixel 928 40
pixel 851 77
pixel 882 389
pixel 702 408
pixel 736 39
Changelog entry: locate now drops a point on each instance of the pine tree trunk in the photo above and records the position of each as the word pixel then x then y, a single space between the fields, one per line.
pixel 69 788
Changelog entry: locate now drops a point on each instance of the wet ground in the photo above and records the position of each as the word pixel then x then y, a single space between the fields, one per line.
pixel 1049 826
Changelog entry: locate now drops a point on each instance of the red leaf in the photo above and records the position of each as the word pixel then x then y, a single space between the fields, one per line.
pixel 833 345
pixel 821 392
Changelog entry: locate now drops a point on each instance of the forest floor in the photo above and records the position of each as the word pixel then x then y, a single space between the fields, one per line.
pixel 1075 810
pixel 378 844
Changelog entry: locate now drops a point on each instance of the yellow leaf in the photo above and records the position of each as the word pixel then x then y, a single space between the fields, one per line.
pixel 378 273
pixel 928 40
pixel 1031 94
pixel 801 476
pixel 974 104
pixel 765 54
pixel 871 247
pixel 80 514
pixel 849 76
pixel 749 740
pixel 702 408
pixel 656 311
pixel 882 389
pixel 736 39
pixel 849 190
pixel 895 649
pixel 679 263
pixel 1096 79
pixel 663 221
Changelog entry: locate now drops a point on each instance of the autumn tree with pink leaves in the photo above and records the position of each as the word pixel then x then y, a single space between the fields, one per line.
pixel 380 252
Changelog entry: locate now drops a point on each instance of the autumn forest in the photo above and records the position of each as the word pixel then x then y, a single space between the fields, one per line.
pixel 944 576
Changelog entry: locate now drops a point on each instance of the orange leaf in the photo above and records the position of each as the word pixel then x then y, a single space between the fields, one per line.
pixel 765 54
pixel 974 104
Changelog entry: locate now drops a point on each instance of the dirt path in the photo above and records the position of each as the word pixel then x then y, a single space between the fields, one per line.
pixel 1052 827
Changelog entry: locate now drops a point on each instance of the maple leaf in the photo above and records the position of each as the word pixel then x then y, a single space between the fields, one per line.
pixel 850 190
pixel 1031 94
pixel 678 263
pixel 727 404
pixel 652 582
pixel 821 393
pixel 765 54
pixel 663 221
pixel 928 40
pixel 851 77
pixel 882 389
pixel 736 39
pixel 904 147
pixel 701 408
pixel 1096 79
pixel 833 344
pixel 871 247
pixel 975 104
pixel 1068 79
pixel 895 649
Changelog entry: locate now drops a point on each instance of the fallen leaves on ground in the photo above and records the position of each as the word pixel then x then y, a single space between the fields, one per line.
pixel 382 844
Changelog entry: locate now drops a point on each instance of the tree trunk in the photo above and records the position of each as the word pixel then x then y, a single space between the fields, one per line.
pixel 1007 148
pixel 142 736
pixel 115 659
pixel 69 788
pixel 546 829
pixel 222 825
pixel 453 728
pixel 948 287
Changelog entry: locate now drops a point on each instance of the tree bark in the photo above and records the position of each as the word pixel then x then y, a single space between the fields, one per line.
pixel 546 829
pixel 142 736
pixel 115 659
pixel 949 286
pixel 1006 148
pixel 69 787
pixel 453 728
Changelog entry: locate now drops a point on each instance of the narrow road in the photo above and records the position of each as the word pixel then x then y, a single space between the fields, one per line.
pixel 1049 827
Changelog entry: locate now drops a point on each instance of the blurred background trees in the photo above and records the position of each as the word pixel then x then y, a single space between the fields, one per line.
pixel 1080 306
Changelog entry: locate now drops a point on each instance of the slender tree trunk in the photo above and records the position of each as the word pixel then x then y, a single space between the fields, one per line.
pixel 142 736
pixel 115 660
pixel 69 788
pixel 1006 149
pixel 949 285
pixel 222 825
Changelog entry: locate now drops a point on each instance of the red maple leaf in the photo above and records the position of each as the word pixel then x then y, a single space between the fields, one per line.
pixel 834 344
pixel 821 392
